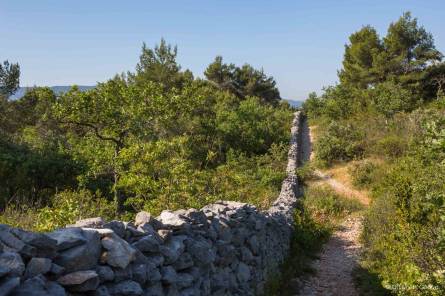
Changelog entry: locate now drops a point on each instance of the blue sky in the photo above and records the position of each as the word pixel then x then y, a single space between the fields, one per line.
pixel 298 42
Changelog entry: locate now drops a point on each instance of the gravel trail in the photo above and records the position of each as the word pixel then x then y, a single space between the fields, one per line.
pixel 339 256
pixel 336 262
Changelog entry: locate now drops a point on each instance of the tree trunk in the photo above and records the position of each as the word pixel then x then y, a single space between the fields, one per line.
pixel 119 199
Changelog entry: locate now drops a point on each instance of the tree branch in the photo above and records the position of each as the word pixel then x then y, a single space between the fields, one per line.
pixel 118 142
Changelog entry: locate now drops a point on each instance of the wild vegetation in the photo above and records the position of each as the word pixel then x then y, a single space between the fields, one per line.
pixel 152 139
pixel 159 138
pixel 387 114
pixel 314 221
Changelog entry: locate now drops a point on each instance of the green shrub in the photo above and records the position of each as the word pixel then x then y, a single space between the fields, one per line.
pixel 404 230
pixel 255 180
pixel 66 208
pixel 69 206
pixel 327 205
pixel 340 142
pixel 253 127
pixel 163 178
pixel 391 146
pixel 305 172
pixel 313 106
pixel 362 173
pixel 389 97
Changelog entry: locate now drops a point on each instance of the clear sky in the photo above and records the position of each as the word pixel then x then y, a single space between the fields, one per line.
pixel 298 42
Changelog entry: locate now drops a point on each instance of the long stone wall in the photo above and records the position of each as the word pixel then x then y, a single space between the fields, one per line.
pixel 226 248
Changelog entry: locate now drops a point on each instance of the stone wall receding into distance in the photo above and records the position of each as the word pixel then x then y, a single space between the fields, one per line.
pixel 226 248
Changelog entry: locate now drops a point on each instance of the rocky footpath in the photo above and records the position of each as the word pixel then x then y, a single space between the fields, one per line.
pixel 226 248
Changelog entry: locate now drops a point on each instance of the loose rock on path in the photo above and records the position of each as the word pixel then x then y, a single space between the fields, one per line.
pixel 337 261
pixel 340 255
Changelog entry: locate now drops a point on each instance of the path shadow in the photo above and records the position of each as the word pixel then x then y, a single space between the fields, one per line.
pixel 368 283
pixel 306 145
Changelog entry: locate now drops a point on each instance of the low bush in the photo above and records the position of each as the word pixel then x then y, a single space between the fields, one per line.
pixel 66 208
pixel 391 146
pixel 362 173
pixel 340 142
pixel 255 180
pixel 327 206
pixel 305 172
pixel 404 229
pixel 70 206
pixel 23 215
pixel 389 97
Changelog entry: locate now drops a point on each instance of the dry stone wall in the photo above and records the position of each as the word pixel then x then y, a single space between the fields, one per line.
pixel 226 248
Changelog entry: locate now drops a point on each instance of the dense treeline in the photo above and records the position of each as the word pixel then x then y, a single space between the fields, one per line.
pixel 388 115
pixel 152 139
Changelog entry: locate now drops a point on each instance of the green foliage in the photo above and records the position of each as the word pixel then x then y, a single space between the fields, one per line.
pixel 326 205
pixel 222 74
pixel 312 106
pixel 408 48
pixel 159 66
pixel 391 146
pixel 101 123
pixel 368 283
pixel 9 82
pixel 388 75
pixel 9 78
pixel 389 98
pixel 107 116
pixel 403 231
pixel 389 106
pixel 68 207
pixel 243 81
pixel 33 174
pixel 359 58
pixel 336 102
pixel 308 237
pixel 161 176
pixel 20 214
pixel 339 143
pixel 111 112
pixel 433 82
pixel 313 224
pixel 34 108
pixel 238 132
pixel 155 139
pixel 255 180
pixel 306 172
pixel 64 208
pixel 403 55
pixel 362 173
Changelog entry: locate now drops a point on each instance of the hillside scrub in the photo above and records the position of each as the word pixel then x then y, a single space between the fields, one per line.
pixel 154 139
pixel 387 114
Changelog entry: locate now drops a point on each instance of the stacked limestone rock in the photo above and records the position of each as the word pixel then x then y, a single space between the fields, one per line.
pixel 226 248
pixel 217 251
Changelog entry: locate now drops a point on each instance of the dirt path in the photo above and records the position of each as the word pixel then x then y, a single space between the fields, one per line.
pixel 339 256
pixel 336 262
pixel 341 188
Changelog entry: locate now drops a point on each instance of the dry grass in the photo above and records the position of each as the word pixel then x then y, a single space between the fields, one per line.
pixel 338 177
pixel 24 217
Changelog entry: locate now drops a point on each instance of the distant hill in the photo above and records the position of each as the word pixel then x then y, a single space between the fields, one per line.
pixel 58 89
pixel 295 103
